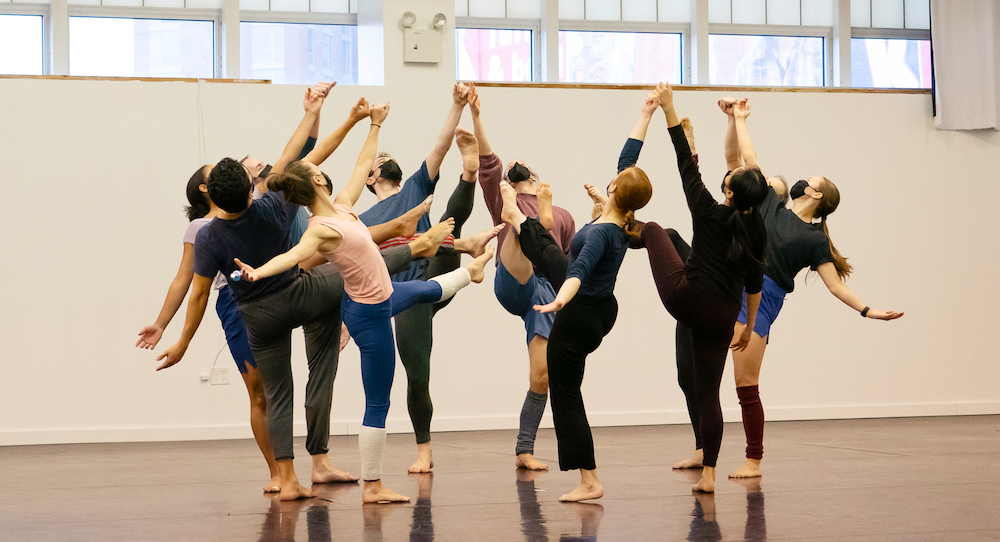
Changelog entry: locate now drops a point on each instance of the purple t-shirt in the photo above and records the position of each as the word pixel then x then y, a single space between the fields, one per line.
pixel 189 236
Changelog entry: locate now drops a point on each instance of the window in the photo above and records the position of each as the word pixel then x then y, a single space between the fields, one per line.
pixel 141 47
pixel 786 61
pixel 890 63
pixel 21 45
pixel 293 53
pixel 619 57
pixel 489 54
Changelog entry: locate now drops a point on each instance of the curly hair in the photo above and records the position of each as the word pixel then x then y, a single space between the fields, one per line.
pixel 229 186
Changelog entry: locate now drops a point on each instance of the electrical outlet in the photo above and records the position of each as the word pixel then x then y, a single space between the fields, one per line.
pixel 220 376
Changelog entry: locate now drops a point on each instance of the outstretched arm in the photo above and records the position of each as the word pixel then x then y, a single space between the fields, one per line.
pixel 633 145
pixel 363 167
pixel 443 143
pixel 732 146
pixel 648 108
pixel 475 104
pixel 566 294
pixel 313 103
pixel 311 240
pixel 201 286
pixel 740 113
pixel 150 335
pixel 828 273
pixel 665 94
pixel 325 148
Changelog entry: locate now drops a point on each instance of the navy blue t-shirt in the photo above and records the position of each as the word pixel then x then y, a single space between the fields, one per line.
pixel 792 244
pixel 415 190
pixel 258 235
pixel 595 255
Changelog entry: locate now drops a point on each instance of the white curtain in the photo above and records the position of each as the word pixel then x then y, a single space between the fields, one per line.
pixel 965 36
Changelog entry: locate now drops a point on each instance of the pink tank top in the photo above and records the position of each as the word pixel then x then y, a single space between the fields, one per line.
pixel 366 278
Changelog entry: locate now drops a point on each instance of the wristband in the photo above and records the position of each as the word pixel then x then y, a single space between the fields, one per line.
pixel 379 125
pixel 864 311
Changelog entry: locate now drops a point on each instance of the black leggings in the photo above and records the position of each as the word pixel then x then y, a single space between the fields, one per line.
pixel 415 329
pixel 710 319
pixel 541 250
pixel 683 350
pixel 578 330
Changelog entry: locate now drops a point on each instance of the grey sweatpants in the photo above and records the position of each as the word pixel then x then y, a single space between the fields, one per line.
pixel 313 302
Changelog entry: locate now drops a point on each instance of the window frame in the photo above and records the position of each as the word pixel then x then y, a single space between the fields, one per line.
pixel 294 17
pixel 165 14
pixel 638 27
pixel 791 31
pixel 45 11
pixel 501 23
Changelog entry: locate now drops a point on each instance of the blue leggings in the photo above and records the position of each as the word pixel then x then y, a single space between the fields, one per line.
pixel 372 331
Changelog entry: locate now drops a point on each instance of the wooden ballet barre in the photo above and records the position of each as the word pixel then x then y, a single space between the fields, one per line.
pixel 728 88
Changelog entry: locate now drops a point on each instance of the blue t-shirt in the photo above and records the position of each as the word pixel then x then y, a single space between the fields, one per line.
pixel 595 255
pixel 258 235
pixel 415 190
pixel 301 221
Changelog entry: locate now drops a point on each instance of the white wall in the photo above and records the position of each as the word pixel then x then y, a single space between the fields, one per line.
pixel 95 172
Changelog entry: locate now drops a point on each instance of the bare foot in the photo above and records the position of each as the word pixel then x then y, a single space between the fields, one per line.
pixel 409 220
pixel 324 473
pixel 478 265
pixel 693 462
pixel 475 246
pixel 292 491
pixel 584 492
pixel 428 243
pixel 510 213
pixel 345 336
pixel 425 460
pixel 376 492
pixel 595 195
pixel 469 147
pixel 545 205
pixel 750 470
pixel 274 486
pixel 707 482
pixel 688 133
pixel 528 461
pixel 597 211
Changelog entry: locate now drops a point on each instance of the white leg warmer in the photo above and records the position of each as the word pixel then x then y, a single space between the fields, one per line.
pixel 453 282
pixel 371 442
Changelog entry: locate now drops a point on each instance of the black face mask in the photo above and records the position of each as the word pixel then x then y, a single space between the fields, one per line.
pixel 329 184
pixel 518 173
pixel 265 172
pixel 723 188
pixel 391 171
pixel 798 190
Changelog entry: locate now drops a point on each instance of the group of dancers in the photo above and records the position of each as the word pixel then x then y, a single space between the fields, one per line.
pixel 277 266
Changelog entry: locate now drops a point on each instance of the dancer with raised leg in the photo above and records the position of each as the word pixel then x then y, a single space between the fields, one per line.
pixel 704 291
pixel 794 242
pixel 372 299
pixel 516 285
pixel 414 327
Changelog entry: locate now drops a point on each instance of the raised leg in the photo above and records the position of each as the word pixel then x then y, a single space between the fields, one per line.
pixel 541 250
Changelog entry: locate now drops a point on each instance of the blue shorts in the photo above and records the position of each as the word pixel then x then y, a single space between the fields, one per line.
pixel 236 330
pixel 772 297
pixel 520 300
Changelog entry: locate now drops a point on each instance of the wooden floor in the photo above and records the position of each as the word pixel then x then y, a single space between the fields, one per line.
pixel 897 480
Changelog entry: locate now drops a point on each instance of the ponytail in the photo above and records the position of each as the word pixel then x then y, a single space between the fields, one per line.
pixel 827 205
pixel 198 200
pixel 631 227
pixel 295 183
pixel 749 237
pixel 839 261
pixel 633 191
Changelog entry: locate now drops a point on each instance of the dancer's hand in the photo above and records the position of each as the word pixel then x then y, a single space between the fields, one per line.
pixel 883 315
pixel 345 336
pixel 324 88
pixel 459 93
pixel 150 335
pixel 744 340
pixel 172 355
pixel 551 307
pixel 360 110
pixel 741 109
pixel 379 112
pixel 249 274
pixel 313 102
pixel 475 104
pixel 650 105
pixel 726 105
pixel 665 93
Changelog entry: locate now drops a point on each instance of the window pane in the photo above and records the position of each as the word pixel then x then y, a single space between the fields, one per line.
pixel 602 10
pixel 720 11
pixel 639 10
pixel 461 8
pixel 619 57
pixel 750 12
pixel 765 60
pixel 890 63
pixel 487 8
pixel 488 54
pixel 571 9
pixel 299 54
pixel 674 11
pixel 861 13
pixel 21 45
pixel 141 47
pixel 783 12
pixel 918 14
pixel 817 12
pixel 887 13
pixel 524 9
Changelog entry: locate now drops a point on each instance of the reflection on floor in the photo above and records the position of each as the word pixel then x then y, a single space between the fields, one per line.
pixel 867 480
